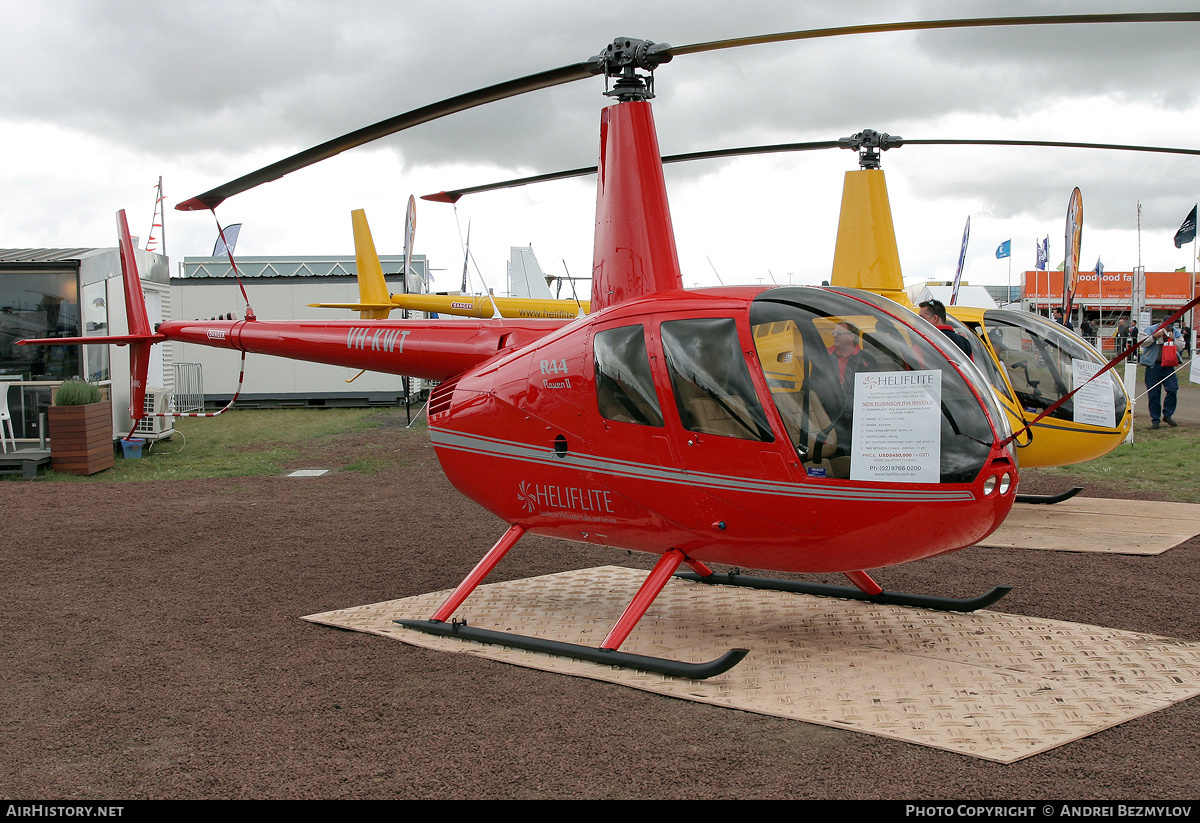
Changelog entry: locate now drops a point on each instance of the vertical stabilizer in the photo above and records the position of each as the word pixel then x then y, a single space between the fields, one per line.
pixel 525 276
pixel 866 256
pixel 139 322
pixel 635 245
pixel 371 286
pixel 135 304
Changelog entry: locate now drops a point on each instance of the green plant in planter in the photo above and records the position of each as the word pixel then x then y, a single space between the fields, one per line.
pixel 76 393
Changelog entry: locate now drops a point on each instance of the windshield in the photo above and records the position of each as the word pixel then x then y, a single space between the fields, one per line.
pixel 862 395
pixel 972 370
pixel 981 357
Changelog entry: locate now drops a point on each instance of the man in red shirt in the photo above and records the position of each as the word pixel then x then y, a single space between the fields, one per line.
pixel 851 359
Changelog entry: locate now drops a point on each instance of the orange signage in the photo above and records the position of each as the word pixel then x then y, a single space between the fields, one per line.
pixel 1114 286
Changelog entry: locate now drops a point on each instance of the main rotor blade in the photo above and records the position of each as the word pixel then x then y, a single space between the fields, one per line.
pixel 555 77
pixel 454 195
pixel 928 25
pixel 578 71
pixel 1051 144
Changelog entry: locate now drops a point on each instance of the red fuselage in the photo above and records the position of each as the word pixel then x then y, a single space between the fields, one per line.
pixel 524 437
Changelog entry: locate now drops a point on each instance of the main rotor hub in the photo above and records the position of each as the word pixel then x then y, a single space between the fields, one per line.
pixel 868 143
pixel 621 60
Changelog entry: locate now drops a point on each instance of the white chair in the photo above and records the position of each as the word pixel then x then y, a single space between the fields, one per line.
pixel 5 419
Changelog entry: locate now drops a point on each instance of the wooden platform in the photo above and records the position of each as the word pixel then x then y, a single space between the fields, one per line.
pixel 988 685
pixel 1086 524
pixel 25 462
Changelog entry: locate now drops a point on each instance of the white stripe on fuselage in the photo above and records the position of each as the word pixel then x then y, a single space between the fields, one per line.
pixel 822 489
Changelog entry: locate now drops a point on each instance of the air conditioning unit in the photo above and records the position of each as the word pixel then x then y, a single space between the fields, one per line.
pixel 157 400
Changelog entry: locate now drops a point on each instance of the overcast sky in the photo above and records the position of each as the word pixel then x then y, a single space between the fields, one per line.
pixel 103 97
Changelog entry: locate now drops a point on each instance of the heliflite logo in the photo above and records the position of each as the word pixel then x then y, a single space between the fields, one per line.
pixel 526 497
pixel 875 380
pixel 535 496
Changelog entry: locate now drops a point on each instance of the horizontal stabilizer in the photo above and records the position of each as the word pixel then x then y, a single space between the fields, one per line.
pixel 354 306
pixel 114 339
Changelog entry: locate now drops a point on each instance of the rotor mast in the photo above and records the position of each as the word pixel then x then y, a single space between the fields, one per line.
pixel 868 143
pixel 866 255
pixel 620 62
pixel 635 253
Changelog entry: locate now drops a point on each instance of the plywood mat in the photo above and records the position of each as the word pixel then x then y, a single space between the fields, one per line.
pixel 1086 524
pixel 995 686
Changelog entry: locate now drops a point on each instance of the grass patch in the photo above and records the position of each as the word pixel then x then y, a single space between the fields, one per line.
pixel 371 465
pixel 240 443
pixel 1166 461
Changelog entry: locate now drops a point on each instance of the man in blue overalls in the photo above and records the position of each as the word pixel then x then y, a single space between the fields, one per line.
pixel 1160 377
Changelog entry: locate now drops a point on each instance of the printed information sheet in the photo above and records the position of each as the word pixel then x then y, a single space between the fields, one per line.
pixel 897 427
pixel 1094 403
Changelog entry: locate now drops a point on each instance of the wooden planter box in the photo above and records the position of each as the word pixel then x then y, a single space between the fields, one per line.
pixel 81 438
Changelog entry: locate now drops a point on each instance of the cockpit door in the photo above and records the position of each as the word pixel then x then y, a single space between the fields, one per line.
pixel 741 474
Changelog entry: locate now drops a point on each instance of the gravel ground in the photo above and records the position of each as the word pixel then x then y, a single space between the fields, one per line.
pixel 152 649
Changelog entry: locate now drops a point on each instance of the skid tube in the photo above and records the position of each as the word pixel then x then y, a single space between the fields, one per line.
pixel 944 604
pixel 608 657
pixel 1049 498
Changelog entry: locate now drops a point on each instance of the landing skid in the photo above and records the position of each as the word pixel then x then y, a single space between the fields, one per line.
pixel 1049 498
pixel 442 625
pixel 609 657
pixel 944 604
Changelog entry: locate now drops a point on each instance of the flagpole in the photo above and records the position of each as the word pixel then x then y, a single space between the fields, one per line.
pixel 1192 325
pixel 1037 278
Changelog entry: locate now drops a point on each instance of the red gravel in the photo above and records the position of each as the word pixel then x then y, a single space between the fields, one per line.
pixel 152 648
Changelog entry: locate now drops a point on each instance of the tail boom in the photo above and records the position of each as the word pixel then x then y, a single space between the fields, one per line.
pixel 431 350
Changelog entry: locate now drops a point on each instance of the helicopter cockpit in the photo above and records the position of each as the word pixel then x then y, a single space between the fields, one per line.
pixel 1041 358
pixel 865 397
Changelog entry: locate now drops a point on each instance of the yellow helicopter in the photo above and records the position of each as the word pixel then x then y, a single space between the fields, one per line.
pixel 1029 360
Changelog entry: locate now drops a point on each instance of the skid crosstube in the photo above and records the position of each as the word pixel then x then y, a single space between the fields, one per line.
pixel 945 604
pixel 1049 498
pixel 645 663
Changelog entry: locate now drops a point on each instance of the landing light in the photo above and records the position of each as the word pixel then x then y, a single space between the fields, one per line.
pixel 1004 481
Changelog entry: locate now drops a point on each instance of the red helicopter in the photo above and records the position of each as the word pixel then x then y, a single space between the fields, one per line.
pixel 795 429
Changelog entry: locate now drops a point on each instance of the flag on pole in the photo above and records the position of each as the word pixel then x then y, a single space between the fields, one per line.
pixel 1043 254
pixel 962 256
pixel 1187 232
pixel 1004 249
pixel 1099 269
pixel 226 239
